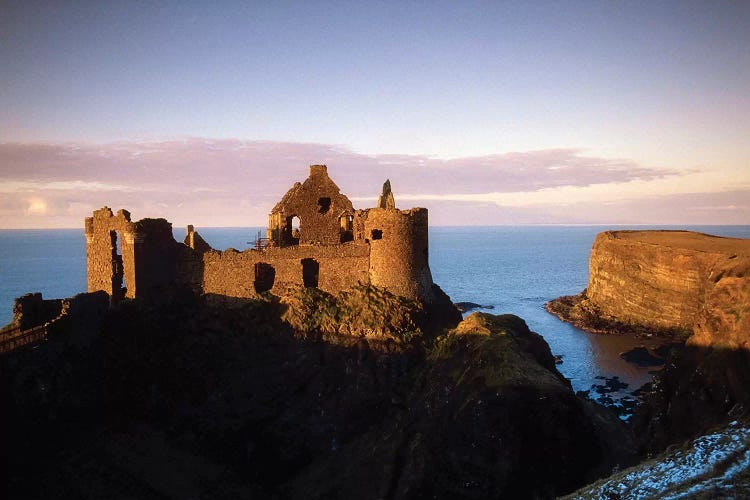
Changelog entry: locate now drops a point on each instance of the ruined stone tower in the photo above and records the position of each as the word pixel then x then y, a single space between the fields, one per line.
pixel 399 251
pixel 127 259
pixel 110 256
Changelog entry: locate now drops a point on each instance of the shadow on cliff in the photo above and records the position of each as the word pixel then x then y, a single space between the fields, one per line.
pixel 215 396
pixel 698 389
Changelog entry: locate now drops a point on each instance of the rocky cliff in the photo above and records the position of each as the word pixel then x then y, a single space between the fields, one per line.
pixel 675 282
pixel 663 281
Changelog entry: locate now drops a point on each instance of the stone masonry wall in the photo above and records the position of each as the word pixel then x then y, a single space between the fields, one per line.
pixel 146 261
pixel 335 249
pixel 108 270
pixel 32 310
pixel 155 252
pixel 234 273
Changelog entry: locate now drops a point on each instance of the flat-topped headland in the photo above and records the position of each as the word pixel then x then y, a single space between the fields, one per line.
pixel 658 282
pixel 680 283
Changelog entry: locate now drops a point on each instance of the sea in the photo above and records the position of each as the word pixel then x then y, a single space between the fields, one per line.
pixel 508 269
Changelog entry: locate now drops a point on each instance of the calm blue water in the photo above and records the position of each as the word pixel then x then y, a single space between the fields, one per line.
pixel 514 269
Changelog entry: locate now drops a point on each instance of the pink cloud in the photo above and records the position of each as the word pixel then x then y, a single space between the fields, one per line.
pixel 235 182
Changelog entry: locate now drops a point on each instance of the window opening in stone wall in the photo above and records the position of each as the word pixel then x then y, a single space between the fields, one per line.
pixel 265 275
pixel 347 228
pixel 310 272
pixel 377 234
pixel 293 230
pixel 118 271
pixel 324 205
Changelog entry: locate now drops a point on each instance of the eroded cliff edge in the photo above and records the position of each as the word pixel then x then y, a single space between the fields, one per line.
pixel 665 282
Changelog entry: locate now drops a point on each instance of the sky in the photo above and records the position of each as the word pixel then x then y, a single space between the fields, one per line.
pixel 486 113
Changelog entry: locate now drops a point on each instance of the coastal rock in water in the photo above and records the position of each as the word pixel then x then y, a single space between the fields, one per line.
pixel 470 306
pixel 642 357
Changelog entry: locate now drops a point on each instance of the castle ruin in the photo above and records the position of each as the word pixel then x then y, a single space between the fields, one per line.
pixel 315 238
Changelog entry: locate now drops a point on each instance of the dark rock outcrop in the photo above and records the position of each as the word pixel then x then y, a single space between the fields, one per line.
pixel 220 397
pixel 642 357
pixel 488 416
pixel 470 306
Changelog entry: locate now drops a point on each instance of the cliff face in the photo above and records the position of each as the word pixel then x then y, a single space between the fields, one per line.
pixel 678 280
pixel 725 319
pixel 652 281
pixel 637 280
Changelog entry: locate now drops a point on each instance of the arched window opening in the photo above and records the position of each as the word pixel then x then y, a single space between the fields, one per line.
pixel 310 272
pixel 265 275
pixel 292 231
pixel 347 228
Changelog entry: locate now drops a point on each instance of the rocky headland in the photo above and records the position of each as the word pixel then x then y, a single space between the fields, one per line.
pixel 361 394
pixel 690 286
pixel 663 283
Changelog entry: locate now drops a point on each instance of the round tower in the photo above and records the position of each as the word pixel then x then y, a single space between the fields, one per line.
pixel 399 260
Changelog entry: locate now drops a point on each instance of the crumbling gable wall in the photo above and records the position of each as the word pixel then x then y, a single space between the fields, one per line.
pixel 324 213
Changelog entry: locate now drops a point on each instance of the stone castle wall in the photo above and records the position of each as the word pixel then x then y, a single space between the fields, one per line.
pixel 335 249
pixel 331 268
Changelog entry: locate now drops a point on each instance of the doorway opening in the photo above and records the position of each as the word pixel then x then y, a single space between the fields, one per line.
pixel 265 275
pixel 310 273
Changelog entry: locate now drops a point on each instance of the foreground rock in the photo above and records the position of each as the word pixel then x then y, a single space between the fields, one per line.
pixel 698 389
pixel 487 416
pixel 210 397
pixel 716 465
